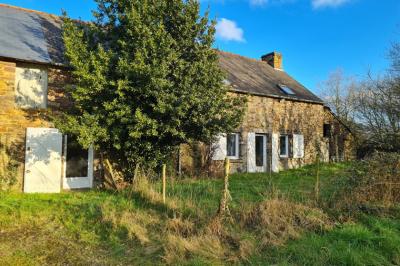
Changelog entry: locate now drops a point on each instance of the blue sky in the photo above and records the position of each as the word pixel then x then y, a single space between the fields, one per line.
pixel 315 37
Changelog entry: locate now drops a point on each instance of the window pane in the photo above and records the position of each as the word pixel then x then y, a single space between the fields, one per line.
pixel 231 145
pixel 327 130
pixel 260 151
pixel 287 90
pixel 77 159
pixel 283 145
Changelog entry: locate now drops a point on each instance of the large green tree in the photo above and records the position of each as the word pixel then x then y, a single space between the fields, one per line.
pixel 147 79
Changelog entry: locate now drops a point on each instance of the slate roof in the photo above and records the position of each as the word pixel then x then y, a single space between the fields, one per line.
pixel 34 36
pixel 30 36
pixel 257 77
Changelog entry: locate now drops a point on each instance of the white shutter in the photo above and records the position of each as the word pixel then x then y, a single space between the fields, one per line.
pixel 301 146
pixel 275 153
pixel 219 148
pixel 298 146
pixel 251 152
pixel 31 87
pixel 295 147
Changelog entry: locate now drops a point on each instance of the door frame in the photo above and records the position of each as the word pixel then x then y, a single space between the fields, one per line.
pixel 261 169
pixel 77 182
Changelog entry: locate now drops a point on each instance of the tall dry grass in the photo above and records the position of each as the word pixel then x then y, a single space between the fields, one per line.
pixel 278 220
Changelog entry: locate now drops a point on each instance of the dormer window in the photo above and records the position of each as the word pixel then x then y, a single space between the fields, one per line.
pixel 287 90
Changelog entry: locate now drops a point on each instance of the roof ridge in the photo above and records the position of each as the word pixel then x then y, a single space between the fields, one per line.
pixel 29 10
pixel 245 57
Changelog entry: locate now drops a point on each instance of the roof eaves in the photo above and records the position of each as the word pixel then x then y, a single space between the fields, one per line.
pixel 50 64
pixel 275 96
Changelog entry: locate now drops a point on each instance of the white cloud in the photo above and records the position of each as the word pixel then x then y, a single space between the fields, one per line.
pixel 328 3
pixel 228 30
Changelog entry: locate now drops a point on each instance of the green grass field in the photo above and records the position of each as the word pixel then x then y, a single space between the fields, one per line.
pixel 134 227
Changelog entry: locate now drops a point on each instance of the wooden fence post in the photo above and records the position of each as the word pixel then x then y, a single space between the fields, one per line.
pixel 164 181
pixel 317 182
pixel 224 208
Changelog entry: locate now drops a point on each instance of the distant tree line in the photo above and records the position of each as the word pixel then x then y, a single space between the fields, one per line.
pixel 370 107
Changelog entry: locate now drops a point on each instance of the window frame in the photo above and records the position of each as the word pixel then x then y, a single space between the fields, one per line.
pixel 263 167
pixel 286 155
pixel 327 130
pixel 237 146
pixel 287 90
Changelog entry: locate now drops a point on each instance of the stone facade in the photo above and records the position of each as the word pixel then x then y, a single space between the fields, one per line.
pixel 14 120
pixel 340 140
pixel 264 115
pixel 267 116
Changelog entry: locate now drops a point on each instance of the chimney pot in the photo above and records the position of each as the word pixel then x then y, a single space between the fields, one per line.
pixel 274 59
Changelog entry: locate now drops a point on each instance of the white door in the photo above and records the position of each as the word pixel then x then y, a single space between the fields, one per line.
pixel 78 165
pixel 251 153
pixel 261 153
pixel 43 160
pixel 275 153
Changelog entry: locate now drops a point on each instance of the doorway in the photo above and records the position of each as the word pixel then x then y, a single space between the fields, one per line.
pixel 261 153
pixel 78 165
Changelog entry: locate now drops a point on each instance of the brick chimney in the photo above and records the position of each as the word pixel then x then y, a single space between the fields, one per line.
pixel 274 59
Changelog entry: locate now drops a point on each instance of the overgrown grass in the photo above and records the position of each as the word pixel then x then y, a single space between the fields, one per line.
pixel 296 184
pixel 371 241
pixel 275 220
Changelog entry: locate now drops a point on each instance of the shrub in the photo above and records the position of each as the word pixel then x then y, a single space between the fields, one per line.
pixel 372 185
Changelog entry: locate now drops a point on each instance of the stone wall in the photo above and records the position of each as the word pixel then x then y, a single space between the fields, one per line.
pixel 266 115
pixel 269 115
pixel 14 120
pixel 341 142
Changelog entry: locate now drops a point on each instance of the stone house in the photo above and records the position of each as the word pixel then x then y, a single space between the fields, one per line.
pixel 285 125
